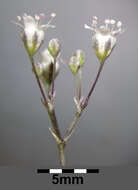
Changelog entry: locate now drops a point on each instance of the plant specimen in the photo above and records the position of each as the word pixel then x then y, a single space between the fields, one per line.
pixel 104 39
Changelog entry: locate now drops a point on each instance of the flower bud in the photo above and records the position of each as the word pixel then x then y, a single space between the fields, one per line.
pixel 45 68
pixel 80 56
pixel 74 65
pixel 76 61
pixel 54 47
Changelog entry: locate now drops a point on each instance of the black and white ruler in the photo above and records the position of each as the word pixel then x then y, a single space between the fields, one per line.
pixel 62 171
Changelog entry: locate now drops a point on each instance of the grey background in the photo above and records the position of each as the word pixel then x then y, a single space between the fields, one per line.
pixel 107 134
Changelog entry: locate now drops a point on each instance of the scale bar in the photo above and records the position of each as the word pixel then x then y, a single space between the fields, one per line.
pixel 75 171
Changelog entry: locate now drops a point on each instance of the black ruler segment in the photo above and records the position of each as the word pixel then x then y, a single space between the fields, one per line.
pixel 67 170
pixel 41 171
pixel 93 171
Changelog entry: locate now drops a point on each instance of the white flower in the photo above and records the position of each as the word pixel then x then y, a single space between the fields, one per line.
pixel 104 37
pixel 45 68
pixel 33 31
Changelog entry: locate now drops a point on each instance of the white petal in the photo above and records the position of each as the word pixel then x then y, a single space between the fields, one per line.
pixel 112 21
pixel 18 24
pixel 40 37
pixel 45 56
pixel 87 27
pixel 29 20
pixel 119 24
pixel 19 18
pixel 53 15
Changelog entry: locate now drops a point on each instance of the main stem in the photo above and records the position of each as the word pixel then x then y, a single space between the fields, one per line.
pixel 61 147
pixel 61 142
pixel 54 122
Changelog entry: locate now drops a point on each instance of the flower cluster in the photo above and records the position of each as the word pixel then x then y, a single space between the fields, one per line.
pixel 46 68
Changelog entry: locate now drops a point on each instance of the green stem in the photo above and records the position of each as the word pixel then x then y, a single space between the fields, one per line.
pixel 61 147
pixel 51 114
pixel 78 84
pixel 38 81
pixel 72 126
pixel 83 106
pixel 54 122
pixel 93 86
pixel 53 80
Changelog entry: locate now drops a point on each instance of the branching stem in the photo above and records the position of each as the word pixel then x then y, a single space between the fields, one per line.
pixel 77 115
pixel 51 113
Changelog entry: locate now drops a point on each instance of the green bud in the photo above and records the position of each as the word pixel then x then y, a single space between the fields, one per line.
pixel 80 56
pixel 74 65
pixel 76 61
pixel 54 47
